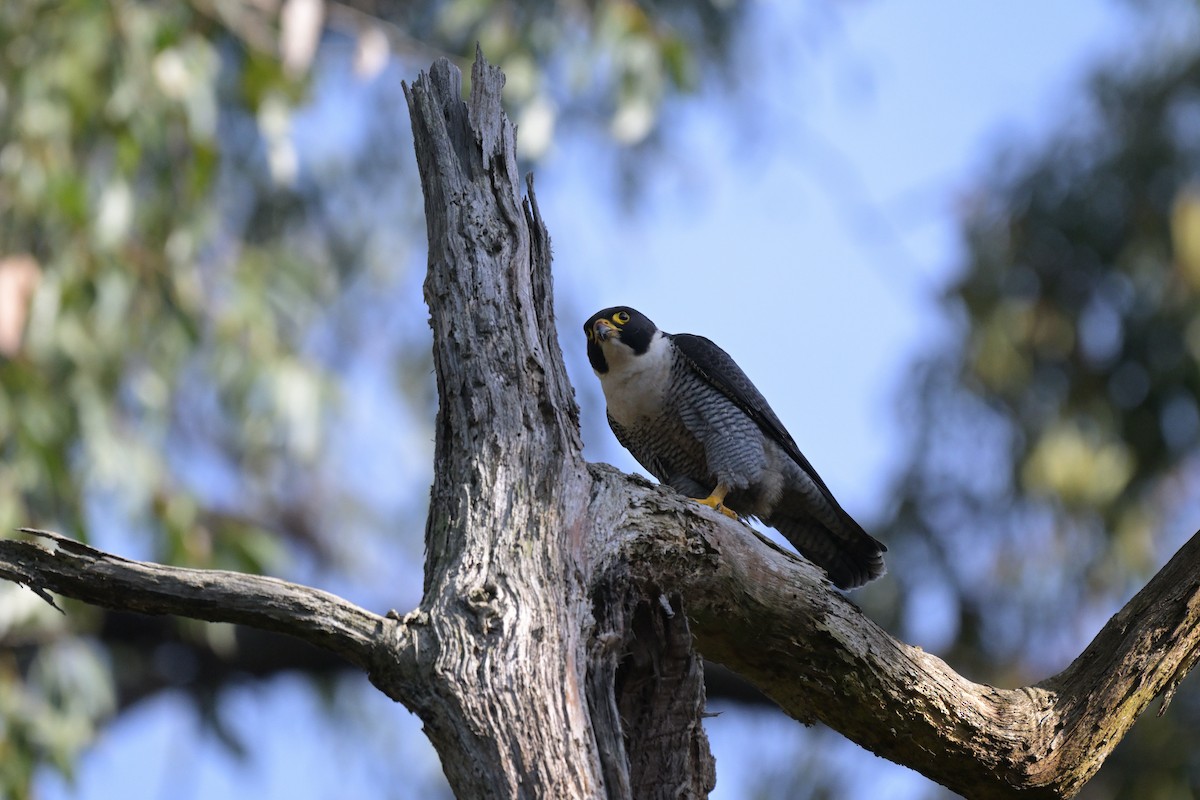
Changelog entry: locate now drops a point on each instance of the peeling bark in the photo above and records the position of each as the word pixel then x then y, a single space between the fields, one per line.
pixel 555 652
pixel 504 596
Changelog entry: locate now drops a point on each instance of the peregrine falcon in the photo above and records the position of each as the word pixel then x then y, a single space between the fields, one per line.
pixel 692 418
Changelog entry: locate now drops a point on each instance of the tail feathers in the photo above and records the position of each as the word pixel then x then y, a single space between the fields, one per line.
pixel 850 555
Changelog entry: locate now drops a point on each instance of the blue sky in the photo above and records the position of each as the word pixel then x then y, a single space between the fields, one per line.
pixel 809 243
pixel 814 259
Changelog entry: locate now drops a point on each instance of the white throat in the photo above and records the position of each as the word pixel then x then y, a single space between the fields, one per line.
pixel 634 386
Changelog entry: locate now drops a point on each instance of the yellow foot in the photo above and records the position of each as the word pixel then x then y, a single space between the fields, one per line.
pixel 716 500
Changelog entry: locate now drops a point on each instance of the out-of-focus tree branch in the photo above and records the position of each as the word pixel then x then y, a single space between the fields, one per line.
pixel 52 563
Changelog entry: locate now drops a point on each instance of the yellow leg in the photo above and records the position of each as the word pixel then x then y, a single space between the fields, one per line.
pixel 716 500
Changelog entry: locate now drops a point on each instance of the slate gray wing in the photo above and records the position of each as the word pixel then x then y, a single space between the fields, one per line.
pixel 716 367
pixel 828 536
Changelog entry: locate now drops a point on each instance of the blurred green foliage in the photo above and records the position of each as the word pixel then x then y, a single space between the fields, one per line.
pixel 1053 463
pixel 165 266
pixel 109 125
pixel 108 119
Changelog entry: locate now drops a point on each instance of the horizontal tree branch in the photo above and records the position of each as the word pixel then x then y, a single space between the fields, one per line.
pixel 804 645
pixel 208 667
pixel 55 563
pixel 259 654
pixel 819 657
pixel 561 600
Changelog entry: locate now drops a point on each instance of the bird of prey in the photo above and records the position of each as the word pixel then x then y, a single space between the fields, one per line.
pixel 692 418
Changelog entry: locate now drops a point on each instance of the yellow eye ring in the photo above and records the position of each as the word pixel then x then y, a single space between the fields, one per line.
pixel 620 318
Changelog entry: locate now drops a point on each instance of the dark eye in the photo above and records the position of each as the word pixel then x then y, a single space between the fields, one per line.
pixel 620 318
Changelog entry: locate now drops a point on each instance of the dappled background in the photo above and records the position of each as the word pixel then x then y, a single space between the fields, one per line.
pixel 957 249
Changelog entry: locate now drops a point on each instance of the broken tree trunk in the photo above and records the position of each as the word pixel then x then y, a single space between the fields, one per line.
pixel 524 643
pixel 555 650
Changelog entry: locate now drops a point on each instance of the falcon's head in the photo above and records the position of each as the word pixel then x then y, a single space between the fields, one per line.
pixel 617 334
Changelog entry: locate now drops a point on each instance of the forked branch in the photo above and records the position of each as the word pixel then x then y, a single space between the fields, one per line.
pixel 523 666
pixel 772 618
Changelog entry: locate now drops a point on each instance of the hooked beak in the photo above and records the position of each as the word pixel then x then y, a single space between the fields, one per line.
pixel 603 329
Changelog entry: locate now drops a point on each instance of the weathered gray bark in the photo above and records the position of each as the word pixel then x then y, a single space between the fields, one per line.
pixel 521 675
pixel 555 650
